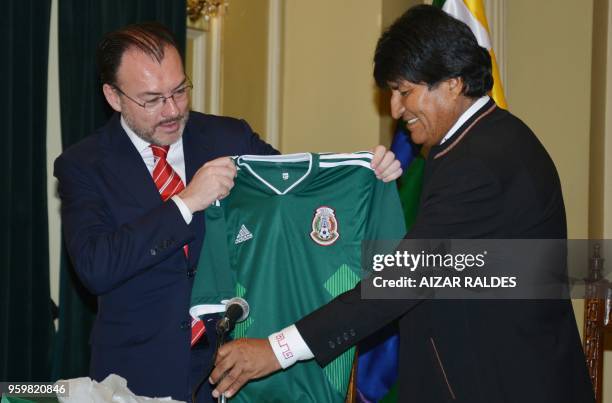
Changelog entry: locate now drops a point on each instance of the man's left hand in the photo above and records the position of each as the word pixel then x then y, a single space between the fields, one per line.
pixel 240 361
pixel 386 167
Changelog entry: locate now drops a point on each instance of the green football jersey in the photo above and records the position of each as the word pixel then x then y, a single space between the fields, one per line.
pixel 288 239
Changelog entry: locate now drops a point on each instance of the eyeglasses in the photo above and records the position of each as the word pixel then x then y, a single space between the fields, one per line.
pixel 155 104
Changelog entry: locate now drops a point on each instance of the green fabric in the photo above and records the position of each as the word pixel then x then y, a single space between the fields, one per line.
pixel 390 397
pixel 26 327
pixel 438 3
pixel 288 255
pixel 83 109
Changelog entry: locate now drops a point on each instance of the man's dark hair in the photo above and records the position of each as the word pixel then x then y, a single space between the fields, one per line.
pixel 426 45
pixel 149 37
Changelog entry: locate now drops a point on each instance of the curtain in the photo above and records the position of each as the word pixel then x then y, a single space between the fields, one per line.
pixel 83 108
pixel 26 327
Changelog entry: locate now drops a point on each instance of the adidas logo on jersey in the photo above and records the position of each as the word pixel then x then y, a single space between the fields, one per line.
pixel 243 235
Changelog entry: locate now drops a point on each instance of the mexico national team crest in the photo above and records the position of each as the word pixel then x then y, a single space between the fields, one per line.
pixel 324 226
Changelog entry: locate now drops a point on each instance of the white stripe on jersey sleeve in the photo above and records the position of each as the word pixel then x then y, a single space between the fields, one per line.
pixel 298 157
pixel 355 155
pixel 362 163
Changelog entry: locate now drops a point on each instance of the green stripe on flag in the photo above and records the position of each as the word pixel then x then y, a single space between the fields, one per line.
pixel 410 185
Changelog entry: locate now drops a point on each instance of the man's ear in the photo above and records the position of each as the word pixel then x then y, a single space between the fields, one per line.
pixel 455 86
pixel 111 97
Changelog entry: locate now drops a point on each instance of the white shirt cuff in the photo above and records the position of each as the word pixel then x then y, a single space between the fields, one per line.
pixel 289 347
pixel 185 212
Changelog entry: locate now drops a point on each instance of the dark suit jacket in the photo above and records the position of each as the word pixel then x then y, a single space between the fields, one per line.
pixel 126 246
pixel 492 179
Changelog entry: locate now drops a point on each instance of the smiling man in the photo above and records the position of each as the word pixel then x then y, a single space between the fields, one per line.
pixel 486 176
pixel 133 195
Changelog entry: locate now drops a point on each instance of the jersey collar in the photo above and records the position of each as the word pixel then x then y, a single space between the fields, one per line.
pixel 244 162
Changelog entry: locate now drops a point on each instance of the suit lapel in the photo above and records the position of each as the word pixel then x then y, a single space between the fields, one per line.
pixel 194 151
pixel 196 154
pixel 126 165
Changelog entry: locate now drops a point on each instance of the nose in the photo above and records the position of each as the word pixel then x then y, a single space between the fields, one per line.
pixel 397 109
pixel 169 108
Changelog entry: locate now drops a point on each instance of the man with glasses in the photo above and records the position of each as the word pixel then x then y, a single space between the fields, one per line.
pixel 133 194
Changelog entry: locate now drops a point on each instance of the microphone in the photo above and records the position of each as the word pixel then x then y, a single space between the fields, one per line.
pixel 236 310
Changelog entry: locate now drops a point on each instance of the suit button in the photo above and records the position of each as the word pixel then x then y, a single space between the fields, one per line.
pixel 153 252
pixel 338 340
pixel 332 344
pixel 352 332
pixel 191 273
pixel 186 324
pixel 346 336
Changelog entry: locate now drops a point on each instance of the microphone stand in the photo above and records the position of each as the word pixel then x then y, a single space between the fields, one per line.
pixel 237 309
pixel 222 331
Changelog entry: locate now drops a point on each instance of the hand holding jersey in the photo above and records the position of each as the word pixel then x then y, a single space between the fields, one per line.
pixel 214 180
pixel 244 360
pixel 386 167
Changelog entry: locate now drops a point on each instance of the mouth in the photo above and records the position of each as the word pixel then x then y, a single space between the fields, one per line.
pixel 170 126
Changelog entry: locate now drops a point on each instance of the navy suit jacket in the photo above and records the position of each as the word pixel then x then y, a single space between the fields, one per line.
pixel 126 247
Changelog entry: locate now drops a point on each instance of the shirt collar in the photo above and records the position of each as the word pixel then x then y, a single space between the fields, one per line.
pixel 476 106
pixel 140 144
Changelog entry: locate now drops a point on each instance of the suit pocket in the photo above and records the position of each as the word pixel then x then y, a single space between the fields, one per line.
pixel 443 372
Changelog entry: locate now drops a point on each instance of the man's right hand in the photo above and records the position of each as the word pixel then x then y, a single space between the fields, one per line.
pixel 213 181
pixel 240 361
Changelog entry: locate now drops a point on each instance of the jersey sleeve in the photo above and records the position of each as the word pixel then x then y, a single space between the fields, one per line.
pixel 386 217
pixel 214 281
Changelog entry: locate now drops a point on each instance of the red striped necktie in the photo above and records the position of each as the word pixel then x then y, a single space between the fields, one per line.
pixel 166 179
pixel 169 183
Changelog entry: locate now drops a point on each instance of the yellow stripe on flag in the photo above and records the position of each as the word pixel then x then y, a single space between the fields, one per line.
pixel 472 13
pixel 477 9
pixel 497 92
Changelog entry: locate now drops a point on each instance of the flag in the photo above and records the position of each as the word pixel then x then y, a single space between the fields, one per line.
pixel 472 13
pixel 402 146
pixel 378 364
pixel 409 185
